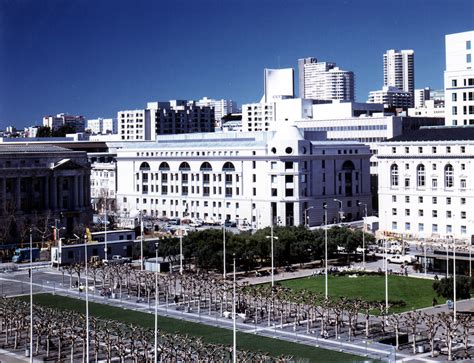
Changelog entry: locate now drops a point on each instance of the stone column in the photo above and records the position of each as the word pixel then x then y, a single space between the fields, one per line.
pixel 46 192
pixel 54 200
pixel 18 193
pixel 76 191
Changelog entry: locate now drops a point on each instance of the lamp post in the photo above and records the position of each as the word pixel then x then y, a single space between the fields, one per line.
pixel 272 237
pixel 340 210
pixel 181 252
pixel 223 252
pixel 424 251
pixel 325 207
pixel 306 216
pixel 454 278
pixel 105 226
pixel 386 267
pixel 363 232
pixel 447 257
pixel 156 301
pixel 31 295
pixel 87 299
pixel 234 331
pixel 141 240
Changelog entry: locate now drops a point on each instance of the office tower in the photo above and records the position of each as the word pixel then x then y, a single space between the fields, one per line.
pixel 221 107
pixel 399 69
pixel 324 81
pixel 459 79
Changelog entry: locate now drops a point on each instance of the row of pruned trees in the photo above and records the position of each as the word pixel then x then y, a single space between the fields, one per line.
pixel 60 334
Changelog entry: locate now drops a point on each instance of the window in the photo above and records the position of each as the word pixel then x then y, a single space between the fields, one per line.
pixel 434 228
pixel 435 200
pixel 421 227
pixel 463 183
pixel 433 149
pixel 454 97
pixel 394 198
pixel 394 211
pixel 407 166
pixel 434 166
pixel 407 150
pixel 454 83
pixel 463 215
pixel 463 200
pixel 448 149
pixel 420 150
pixel 448 176
pixel 394 175
pixel 420 212
pixel 407 199
pixel 407 182
pixel 407 226
pixel 463 230
pixel 394 150
pixel 448 214
pixel 420 199
pixel 435 214
pixel 448 200
pixel 468 58
pixel 407 212
pixel 420 176
pixel 434 183
pixel 449 229
pixel 394 225
pixel 468 44
pixel 463 150
pixel 454 110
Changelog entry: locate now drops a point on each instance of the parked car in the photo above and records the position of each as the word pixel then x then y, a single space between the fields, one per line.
pixel 228 223
pixel 406 259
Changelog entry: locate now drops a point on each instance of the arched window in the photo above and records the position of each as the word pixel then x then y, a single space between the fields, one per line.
pixel 420 176
pixel 448 176
pixel 164 166
pixel 144 166
pixel 205 166
pixel 228 166
pixel 348 165
pixel 184 166
pixel 394 175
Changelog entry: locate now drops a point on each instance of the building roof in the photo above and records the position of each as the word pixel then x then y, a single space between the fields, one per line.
pixel 32 148
pixel 439 133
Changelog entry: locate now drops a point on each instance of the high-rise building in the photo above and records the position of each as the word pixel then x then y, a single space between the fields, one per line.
pixel 391 97
pixel 399 69
pixel 420 96
pixel 221 107
pixel 459 79
pixel 102 126
pixel 324 81
pixel 173 117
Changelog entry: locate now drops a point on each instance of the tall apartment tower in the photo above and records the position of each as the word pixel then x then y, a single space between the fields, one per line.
pixel 399 69
pixel 459 79
pixel 324 81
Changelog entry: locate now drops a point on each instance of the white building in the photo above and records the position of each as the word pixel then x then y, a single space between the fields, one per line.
pixel 62 119
pixel 459 79
pixel 246 177
pixel 221 107
pixel 399 69
pixel 420 96
pixel 173 117
pixel 103 180
pixel 265 116
pixel 431 108
pixel 324 81
pixel 278 84
pixel 102 126
pixel 391 97
pixel 426 183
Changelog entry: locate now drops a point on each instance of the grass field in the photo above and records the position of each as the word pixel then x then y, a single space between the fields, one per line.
pixel 417 293
pixel 209 334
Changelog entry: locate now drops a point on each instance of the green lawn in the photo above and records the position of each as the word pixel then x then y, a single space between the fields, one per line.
pixel 417 293
pixel 209 334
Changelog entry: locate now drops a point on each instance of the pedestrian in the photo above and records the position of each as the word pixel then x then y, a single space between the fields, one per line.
pixel 435 302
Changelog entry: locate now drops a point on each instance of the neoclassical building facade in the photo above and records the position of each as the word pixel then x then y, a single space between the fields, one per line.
pixel 41 183
pixel 426 183
pixel 249 177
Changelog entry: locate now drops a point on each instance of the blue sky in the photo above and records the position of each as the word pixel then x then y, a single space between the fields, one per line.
pixel 96 57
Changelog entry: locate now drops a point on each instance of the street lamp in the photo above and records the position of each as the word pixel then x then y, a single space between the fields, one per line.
pixel 87 299
pixel 340 209
pixel 386 266
pixel 306 216
pixel 325 207
pixel 223 252
pixel 31 295
pixel 363 232
pixel 141 240
pixel 272 237
pixel 181 251
pixel 234 331
pixel 105 226
pixel 156 301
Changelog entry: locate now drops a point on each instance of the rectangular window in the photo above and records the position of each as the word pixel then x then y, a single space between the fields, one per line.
pixel 407 199
pixel 407 226
pixel 463 215
pixel 434 228
pixel 407 182
pixel 420 199
pixel 463 200
pixel 454 97
pixel 468 44
pixel 463 230
pixel 448 214
pixel 421 227
pixel 394 198
pixel 420 212
pixel 454 110
pixel 468 58
pixel 463 183
pixel 435 214
pixel 435 200
pixel 433 149
pixel 434 183
pixel 448 200
pixel 407 212
pixel 394 225
pixel 394 211
pixel 454 83
pixel 449 229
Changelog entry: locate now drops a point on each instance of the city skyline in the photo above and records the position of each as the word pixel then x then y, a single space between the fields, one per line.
pixel 94 60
